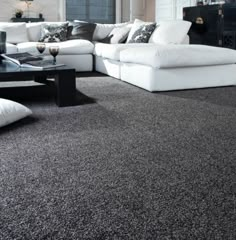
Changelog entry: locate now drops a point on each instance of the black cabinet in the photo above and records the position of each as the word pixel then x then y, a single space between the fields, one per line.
pixel 213 25
pixel 27 20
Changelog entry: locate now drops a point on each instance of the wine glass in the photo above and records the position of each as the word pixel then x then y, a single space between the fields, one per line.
pixel 54 50
pixel 41 47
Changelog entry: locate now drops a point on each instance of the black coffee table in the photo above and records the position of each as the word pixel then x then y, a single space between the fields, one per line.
pixel 64 79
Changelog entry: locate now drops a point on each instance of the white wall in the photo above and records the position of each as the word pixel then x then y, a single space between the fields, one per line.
pixel 50 9
pixel 53 10
pixel 171 9
pixel 141 9
pixel 150 10
pixel 125 13
pixel 138 9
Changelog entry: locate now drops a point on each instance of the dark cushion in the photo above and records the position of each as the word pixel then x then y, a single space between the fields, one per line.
pixel 54 32
pixel 81 30
pixel 143 33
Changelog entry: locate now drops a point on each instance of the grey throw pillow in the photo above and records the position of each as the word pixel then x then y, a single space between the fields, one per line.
pixel 117 35
pixel 143 33
pixel 54 32
pixel 81 30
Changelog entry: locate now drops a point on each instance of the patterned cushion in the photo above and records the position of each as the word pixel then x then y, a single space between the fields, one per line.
pixel 143 33
pixel 54 32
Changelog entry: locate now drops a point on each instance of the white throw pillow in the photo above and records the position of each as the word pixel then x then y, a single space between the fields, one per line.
pixel 12 111
pixel 16 32
pixel 137 24
pixel 103 30
pixel 117 35
pixel 170 32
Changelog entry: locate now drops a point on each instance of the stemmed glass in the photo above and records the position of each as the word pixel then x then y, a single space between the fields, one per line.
pixel 41 47
pixel 54 50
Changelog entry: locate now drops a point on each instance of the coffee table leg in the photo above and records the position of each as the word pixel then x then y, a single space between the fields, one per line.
pixel 65 89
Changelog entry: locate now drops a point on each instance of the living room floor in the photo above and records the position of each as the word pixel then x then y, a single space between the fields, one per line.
pixel 125 164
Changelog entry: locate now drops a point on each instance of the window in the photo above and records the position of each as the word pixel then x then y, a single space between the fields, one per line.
pixel 91 10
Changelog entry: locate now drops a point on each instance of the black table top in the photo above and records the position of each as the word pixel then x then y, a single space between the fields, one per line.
pixel 9 69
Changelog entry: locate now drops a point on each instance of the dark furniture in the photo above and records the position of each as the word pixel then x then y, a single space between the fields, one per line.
pixel 27 20
pixel 213 25
pixel 3 37
pixel 64 80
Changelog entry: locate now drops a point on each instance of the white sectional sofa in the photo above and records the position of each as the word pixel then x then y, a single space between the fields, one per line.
pixel 165 63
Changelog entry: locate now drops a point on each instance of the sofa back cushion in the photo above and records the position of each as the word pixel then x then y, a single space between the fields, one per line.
pixel 117 35
pixel 103 30
pixel 16 32
pixel 34 31
pixel 81 30
pixel 170 32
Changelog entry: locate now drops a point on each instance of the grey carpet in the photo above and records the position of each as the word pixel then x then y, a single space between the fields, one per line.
pixel 127 165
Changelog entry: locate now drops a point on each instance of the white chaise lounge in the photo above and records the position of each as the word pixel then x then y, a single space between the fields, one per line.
pixel 168 67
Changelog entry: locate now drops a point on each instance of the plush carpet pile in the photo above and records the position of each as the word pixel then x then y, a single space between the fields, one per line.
pixel 125 164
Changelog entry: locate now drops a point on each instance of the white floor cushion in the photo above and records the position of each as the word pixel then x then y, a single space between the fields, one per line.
pixel 11 112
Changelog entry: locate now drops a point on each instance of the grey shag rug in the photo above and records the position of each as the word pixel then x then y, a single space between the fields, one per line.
pixel 124 164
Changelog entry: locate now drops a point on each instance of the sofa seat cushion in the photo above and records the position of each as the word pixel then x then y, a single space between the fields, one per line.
pixel 112 51
pixel 172 56
pixel 11 48
pixel 71 47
